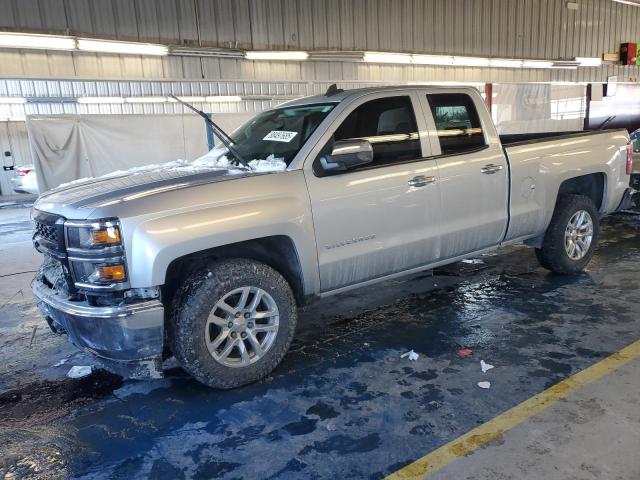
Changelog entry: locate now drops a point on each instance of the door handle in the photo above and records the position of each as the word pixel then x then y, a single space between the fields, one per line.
pixel 421 181
pixel 491 169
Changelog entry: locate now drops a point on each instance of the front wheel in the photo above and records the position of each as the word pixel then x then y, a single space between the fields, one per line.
pixel 572 235
pixel 233 322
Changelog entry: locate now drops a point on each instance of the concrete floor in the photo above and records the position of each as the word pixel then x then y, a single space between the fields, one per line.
pixel 594 434
pixel 344 404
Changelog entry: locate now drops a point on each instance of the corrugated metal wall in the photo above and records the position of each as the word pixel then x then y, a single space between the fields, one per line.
pixel 50 97
pixel 511 28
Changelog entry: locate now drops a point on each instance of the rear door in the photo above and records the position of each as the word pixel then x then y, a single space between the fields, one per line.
pixel 473 171
pixel 380 218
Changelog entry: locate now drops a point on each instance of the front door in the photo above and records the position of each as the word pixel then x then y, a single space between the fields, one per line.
pixel 381 218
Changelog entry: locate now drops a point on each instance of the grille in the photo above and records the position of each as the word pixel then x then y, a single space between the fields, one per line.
pixel 48 232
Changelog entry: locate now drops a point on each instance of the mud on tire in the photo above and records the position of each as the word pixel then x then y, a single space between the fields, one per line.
pixel 553 254
pixel 195 301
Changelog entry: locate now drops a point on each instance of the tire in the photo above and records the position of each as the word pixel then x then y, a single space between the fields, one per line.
pixel 194 333
pixel 555 254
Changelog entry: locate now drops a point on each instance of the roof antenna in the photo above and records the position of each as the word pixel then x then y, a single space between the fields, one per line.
pixel 333 90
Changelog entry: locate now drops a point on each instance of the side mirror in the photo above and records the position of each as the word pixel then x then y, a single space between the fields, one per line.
pixel 347 154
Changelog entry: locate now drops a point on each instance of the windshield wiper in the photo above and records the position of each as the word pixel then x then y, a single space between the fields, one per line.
pixel 226 140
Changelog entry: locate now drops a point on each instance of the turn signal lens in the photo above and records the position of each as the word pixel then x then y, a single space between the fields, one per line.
pixel 107 236
pixel 110 273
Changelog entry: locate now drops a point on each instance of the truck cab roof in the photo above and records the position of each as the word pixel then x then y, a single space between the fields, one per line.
pixel 357 92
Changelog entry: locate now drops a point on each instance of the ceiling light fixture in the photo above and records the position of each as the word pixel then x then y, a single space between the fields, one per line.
pixel 125 48
pixel 96 100
pixel 223 98
pixel 461 61
pixel 432 59
pixel 158 99
pixel 13 100
pixel 38 42
pixel 275 55
pixel 566 64
pixel 537 64
pixel 383 57
pixel 471 61
pixel 184 51
pixel 589 61
pixel 146 99
pixel 505 63
pixel 188 99
pixel 628 2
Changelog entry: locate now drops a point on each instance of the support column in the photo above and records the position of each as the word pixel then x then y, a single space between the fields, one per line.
pixel 488 94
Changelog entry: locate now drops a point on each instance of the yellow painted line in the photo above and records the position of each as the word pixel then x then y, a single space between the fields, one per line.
pixel 479 436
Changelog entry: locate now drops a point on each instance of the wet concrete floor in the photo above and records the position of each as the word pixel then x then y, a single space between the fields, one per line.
pixel 343 404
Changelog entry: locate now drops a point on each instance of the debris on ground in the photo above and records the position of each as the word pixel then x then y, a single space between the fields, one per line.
pixel 365 344
pixel 485 366
pixel 33 335
pixel 484 384
pixel 60 363
pixel 79 371
pixel 413 356
pixel 464 352
pixel 472 261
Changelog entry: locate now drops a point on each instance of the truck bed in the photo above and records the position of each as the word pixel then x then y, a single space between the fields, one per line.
pixel 540 163
pixel 524 138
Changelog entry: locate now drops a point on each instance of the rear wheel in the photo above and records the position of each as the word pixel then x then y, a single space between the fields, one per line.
pixel 233 322
pixel 572 235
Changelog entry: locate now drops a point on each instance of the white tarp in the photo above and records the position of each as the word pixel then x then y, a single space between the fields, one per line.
pixel 69 147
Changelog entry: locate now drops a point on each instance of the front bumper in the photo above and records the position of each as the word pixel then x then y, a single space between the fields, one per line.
pixel 128 338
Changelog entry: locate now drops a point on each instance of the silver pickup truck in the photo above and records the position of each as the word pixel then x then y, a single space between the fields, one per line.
pixel 209 264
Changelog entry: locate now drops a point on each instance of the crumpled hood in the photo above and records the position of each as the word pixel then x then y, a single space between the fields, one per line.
pixel 88 194
pixel 100 191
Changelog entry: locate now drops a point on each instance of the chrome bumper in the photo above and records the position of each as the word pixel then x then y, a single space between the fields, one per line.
pixel 123 333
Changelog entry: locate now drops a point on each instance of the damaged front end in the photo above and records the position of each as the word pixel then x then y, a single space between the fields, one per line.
pixel 82 290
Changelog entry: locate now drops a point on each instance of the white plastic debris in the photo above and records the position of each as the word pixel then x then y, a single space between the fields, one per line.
pixel 484 384
pixel 79 371
pixel 472 261
pixel 61 362
pixel 413 356
pixel 210 274
pixel 485 366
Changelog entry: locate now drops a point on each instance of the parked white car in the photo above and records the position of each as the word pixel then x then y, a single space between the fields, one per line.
pixel 25 180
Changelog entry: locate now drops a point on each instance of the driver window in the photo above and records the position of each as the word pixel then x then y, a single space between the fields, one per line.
pixel 389 124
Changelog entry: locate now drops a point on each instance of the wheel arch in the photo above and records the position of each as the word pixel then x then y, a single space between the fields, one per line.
pixel 277 251
pixel 592 185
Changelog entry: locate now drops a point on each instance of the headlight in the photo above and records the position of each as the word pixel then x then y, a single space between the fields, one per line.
pixel 93 235
pixel 96 254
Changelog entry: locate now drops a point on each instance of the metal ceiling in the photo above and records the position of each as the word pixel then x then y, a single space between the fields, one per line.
pixel 507 28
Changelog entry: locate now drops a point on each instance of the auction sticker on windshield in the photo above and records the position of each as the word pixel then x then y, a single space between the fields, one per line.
pixel 280 136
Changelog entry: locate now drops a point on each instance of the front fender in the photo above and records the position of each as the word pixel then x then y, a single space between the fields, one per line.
pixel 154 241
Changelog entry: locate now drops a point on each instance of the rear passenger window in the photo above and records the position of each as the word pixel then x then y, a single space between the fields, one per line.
pixel 457 122
pixel 389 124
